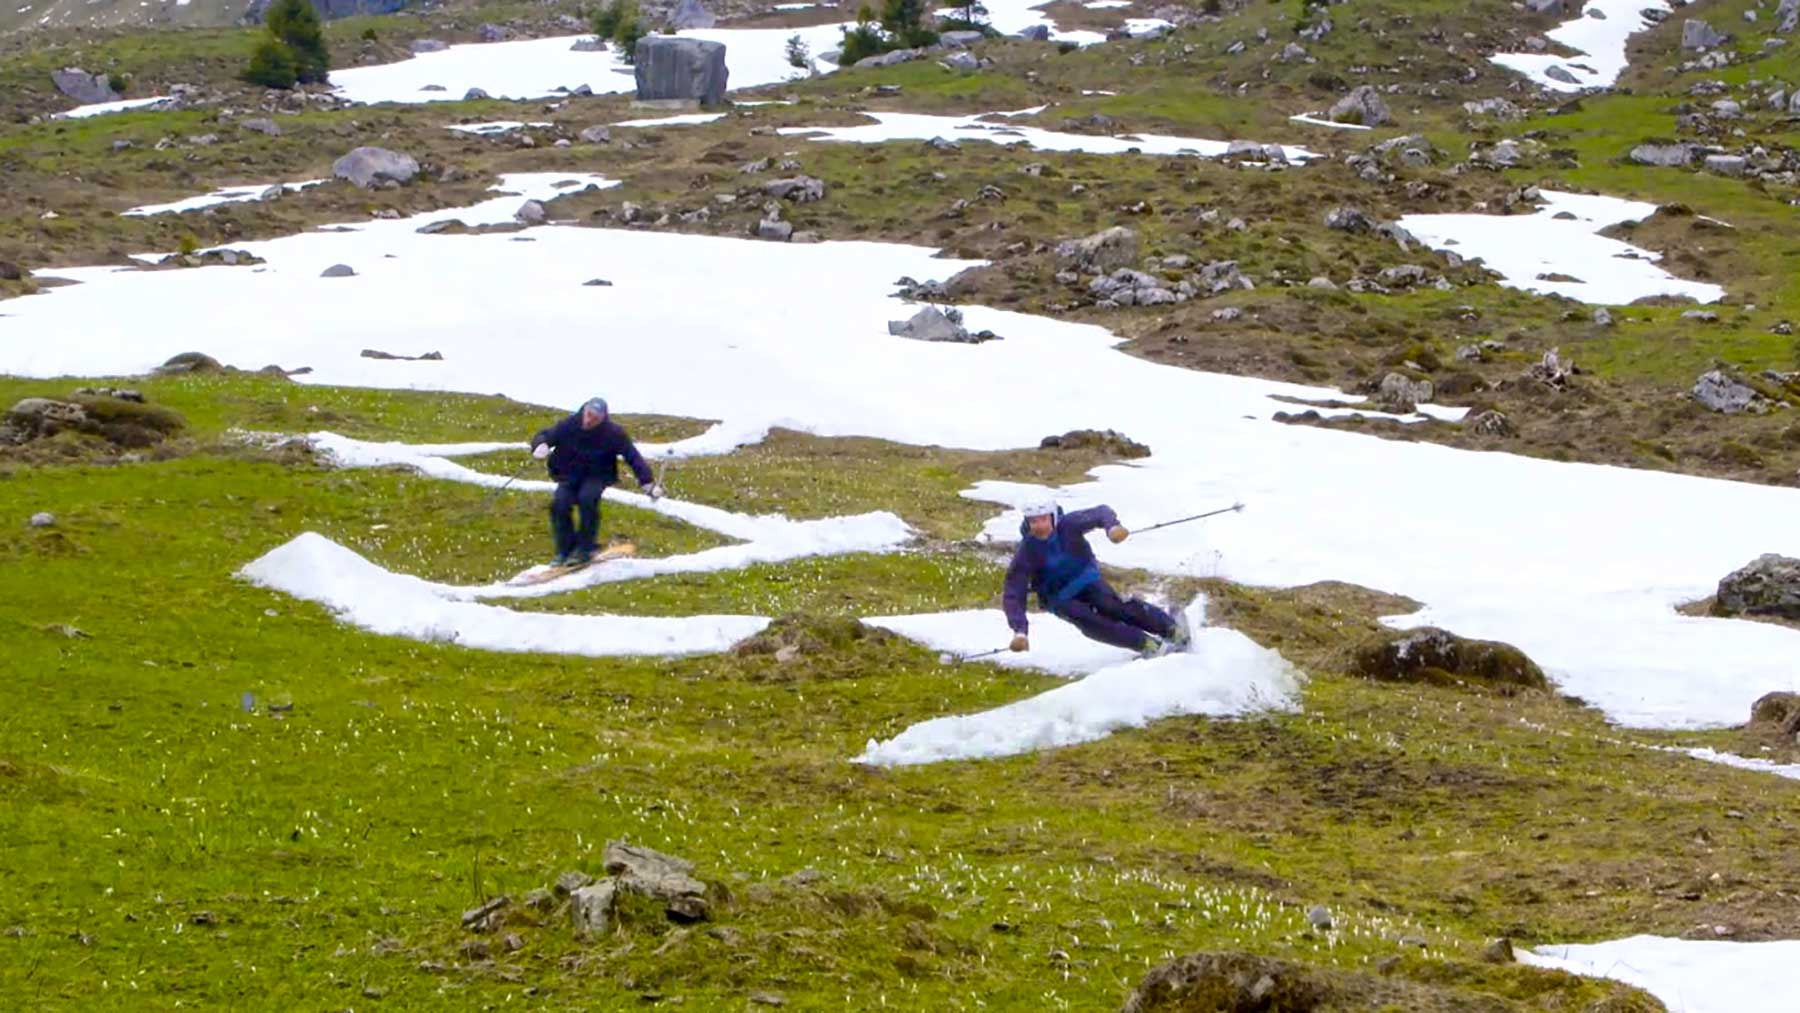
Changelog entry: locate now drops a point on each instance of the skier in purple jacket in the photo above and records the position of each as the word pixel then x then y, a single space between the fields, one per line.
pixel 1055 561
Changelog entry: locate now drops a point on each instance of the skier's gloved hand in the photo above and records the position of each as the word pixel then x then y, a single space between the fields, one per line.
pixel 1117 533
pixel 541 451
pixel 654 490
pixel 1019 643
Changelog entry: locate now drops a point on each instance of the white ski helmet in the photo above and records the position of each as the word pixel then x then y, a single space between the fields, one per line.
pixel 1045 507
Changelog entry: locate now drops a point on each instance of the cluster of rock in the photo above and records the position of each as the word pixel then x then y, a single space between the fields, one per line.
pixel 590 902
pixel 1110 442
pixel 210 258
pixel 1729 393
pixel 934 324
pixel 951 46
pixel 1106 264
pixel 1364 105
pixel 121 417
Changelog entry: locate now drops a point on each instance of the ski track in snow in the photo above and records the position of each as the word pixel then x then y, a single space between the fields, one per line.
pixel 1524 248
pixel 1688 975
pixel 1600 41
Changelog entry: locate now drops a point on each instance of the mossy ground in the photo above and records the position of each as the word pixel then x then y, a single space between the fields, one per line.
pixel 164 845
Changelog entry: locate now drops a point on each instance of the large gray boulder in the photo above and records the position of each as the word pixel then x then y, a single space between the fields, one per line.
pixel 1652 153
pixel 669 67
pixel 1699 35
pixel 1787 16
pixel 691 14
pixel 84 87
pixel 1100 253
pixel 427 45
pixel 1770 586
pixel 932 324
pixel 1721 393
pixel 1363 105
pixel 799 189
pixel 368 167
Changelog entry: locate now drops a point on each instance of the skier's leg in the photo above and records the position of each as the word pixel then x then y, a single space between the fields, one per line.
pixel 588 499
pixel 1135 611
pixel 1096 626
pixel 564 532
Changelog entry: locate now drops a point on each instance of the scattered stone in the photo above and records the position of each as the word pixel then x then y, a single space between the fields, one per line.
pixel 1700 36
pixel 962 61
pixel 591 908
pixel 373 353
pixel 84 87
pixel 1435 656
pixel 569 882
pixel 531 213
pixel 1557 72
pixel 1493 423
pixel 1401 394
pixel 338 271
pixel 1100 253
pixel 492 33
pixel 1319 918
pixel 1781 709
pixel 775 229
pixel 1036 33
pixel 1109 442
pixel 1726 165
pixel 1721 393
pixel 933 324
pixel 1363 105
pixel 1499 951
pixel 686 69
pixel 1768 586
pixel 367 167
pixel 1498 108
pixel 767 999
pixel 190 362
pixel 661 877
pixel 476 95
pixel 1403 276
pixel 540 900
pixel 1603 317
pixel 427 45
pixel 1552 369
pixel 481 918
pixel 43 519
pixel 597 283
pixel 1349 219
pixel 1668 155
pixel 262 125
pixel 595 135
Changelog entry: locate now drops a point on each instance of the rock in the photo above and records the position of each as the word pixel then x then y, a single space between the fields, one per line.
pixel 1035 33
pixel 475 95
pixel 767 999
pixel 1499 951
pixel 262 126
pixel 595 135
pixel 427 45
pixel 1319 918
pixel 670 67
pixel 691 14
pixel 540 900
pixel 597 283
pixel 799 189
pixel 1699 36
pixel 1106 441
pixel 962 61
pixel 338 271
pixel 190 362
pixel 591 908
pixel 82 86
pixel 368 167
pixel 1726 165
pixel 1322 282
pixel 933 324
pixel 1557 72
pixel 806 237
pixel 1787 16
pixel 1768 586
pixel 42 520
pixel 959 39
pixel 1435 656
pixel 1498 108
pixel 1401 394
pixel 376 353
pixel 1493 423
pixel 776 229
pixel 481 918
pixel 531 213
pixel 492 33
pixel 1603 317
pixel 1100 253
pixel 571 881
pixel 1349 219
pixel 1363 105
pixel 891 58
pixel 1223 276
pixel 589 46
pixel 1547 6
pixel 1403 276
pixel 658 876
pixel 1721 393
pixel 1780 708
pixel 1552 369
pixel 1248 983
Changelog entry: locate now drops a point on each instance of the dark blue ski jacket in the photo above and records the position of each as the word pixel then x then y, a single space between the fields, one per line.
pixel 1056 568
pixel 578 454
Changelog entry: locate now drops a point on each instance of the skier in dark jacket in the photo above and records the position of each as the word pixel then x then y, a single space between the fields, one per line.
pixel 1055 561
pixel 583 452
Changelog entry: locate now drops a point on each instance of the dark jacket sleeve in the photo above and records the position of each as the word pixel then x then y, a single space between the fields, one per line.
pixel 638 466
pixel 1018 585
pixel 1084 521
pixel 554 434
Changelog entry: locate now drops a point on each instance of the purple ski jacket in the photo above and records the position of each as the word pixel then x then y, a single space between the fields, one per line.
pixel 1056 568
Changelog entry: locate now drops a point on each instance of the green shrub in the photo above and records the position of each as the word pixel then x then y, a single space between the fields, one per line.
pixel 272 65
pixel 295 23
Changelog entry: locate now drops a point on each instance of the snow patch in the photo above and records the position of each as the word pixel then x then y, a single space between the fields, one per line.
pixel 228 195
pixel 1688 975
pixel 1524 248
pixel 493 128
pixel 1599 41
pixel 1319 121
pixel 682 120
pixel 924 127
pixel 1787 770
pixel 102 108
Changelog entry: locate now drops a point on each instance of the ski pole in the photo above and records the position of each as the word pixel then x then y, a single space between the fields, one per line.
pixel 497 490
pixel 1234 508
pixel 947 658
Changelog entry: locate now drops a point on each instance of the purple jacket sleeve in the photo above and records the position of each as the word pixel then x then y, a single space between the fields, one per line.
pixel 636 460
pixel 1018 585
pixel 1084 521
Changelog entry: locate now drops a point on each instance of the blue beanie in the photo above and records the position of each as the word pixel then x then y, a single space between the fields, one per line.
pixel 596 403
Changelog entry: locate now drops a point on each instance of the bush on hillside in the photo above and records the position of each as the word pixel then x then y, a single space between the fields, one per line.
pixel 293 52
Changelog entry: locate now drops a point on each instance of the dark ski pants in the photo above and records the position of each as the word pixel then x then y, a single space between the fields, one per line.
pixel 585 496
pixel 1100 614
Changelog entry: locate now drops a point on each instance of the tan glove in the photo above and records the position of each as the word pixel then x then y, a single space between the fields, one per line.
pixel 1019 643
pixel 1117 533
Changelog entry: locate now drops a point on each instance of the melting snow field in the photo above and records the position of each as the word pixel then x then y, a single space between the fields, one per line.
pixel 228 195
pixel 1599 34
pixel 1689 976
pixel 924 127
pixel 1527 248
pixel 1579 565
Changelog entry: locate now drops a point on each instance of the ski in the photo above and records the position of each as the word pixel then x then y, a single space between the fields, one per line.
pixel 549 571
